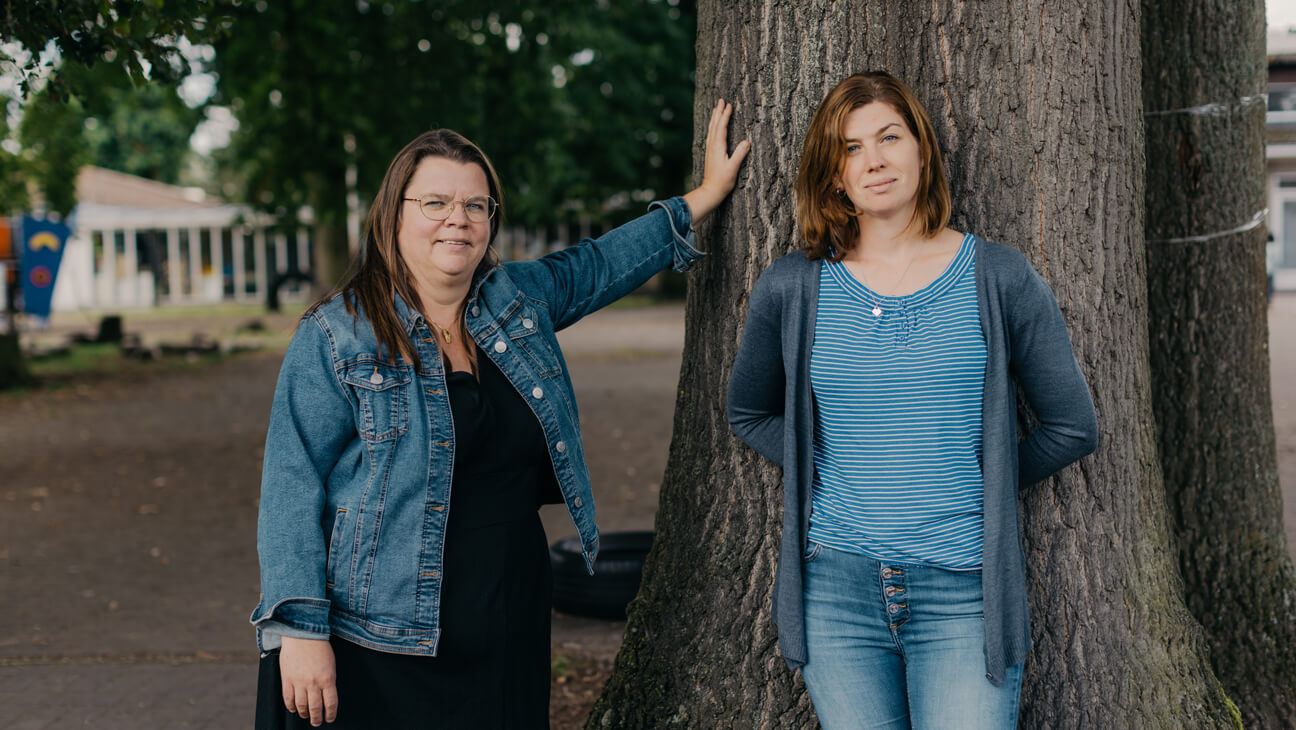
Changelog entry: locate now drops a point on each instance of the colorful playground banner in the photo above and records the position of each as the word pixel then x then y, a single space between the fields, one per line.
pixel 40 254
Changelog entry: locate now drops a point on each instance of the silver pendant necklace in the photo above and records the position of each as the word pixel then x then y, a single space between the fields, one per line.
pixel 877 308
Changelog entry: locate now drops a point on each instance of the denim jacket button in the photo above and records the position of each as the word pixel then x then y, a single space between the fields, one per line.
pixel 526 322
pixel 376 378
pixel 500 346
pixel 561 447
pixel 475 310
pixel 537 393
pixel 577 503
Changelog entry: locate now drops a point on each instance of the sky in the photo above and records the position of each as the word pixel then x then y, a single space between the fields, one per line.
pixel 1281 13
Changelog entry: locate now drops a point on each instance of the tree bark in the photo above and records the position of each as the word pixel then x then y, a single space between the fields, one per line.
pixel 1203 96
pixel 1037 106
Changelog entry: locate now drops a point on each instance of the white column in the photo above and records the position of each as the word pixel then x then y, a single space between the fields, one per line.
pixel 195 264
pixel 217 262
pixel 262 266
pixel 128 285
pixel 106 280
pixel 175 277
pixel 236 240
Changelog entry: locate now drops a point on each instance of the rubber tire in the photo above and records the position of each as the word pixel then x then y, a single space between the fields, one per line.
pixel 615 582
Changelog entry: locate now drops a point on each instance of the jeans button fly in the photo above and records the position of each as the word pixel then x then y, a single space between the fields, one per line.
pixel 893 608
pixel 886 572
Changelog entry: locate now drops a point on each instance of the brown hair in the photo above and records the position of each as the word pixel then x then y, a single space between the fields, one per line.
pixel 381 273
pixel 827 220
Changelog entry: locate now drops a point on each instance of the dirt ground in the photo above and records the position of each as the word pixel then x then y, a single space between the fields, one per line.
pixel 128 504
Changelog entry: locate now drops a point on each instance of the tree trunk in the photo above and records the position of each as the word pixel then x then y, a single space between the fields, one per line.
pixel 1203 87
pixel 13 368
pixel 1037 106
pixel 332 258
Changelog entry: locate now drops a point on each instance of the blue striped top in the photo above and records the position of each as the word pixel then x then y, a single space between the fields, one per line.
pixel 897 443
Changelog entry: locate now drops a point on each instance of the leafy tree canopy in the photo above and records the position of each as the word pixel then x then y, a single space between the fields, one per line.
pixel 576 102
pixel 140 35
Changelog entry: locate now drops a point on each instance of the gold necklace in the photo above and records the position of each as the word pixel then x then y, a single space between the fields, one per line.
pixel 445 331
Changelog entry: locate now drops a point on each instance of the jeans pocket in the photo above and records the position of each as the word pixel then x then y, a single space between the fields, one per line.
pixel 811 553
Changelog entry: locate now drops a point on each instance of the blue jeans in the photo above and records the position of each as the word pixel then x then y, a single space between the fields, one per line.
pixel 895 645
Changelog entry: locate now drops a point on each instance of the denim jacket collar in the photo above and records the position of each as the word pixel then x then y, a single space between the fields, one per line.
pixel 410 316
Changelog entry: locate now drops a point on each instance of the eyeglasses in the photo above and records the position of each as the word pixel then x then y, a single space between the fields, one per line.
pixel 438 207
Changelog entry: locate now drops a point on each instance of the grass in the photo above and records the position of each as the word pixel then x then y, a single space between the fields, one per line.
pixel 96 360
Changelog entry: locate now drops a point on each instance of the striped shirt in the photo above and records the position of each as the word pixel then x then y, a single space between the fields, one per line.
pixel 897 443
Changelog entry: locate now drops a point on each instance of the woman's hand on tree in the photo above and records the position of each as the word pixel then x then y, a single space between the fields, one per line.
pixel 720 169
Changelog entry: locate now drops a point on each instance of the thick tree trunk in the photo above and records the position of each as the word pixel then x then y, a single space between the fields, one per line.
pixel 1037 106
pixel 1203 96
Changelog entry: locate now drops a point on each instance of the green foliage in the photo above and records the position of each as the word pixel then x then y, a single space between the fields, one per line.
pixel 98 117
pixel 140 130
pixel 575 101
pixel 98 105
pixel 13 176
pixel 130 33
pixel 54 148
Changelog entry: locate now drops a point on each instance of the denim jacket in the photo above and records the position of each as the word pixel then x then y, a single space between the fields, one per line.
pixel 355 486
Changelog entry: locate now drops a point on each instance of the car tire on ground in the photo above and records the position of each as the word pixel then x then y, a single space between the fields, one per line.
pixel 615 582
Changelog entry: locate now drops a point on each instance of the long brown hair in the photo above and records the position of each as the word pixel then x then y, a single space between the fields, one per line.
pixel 382 273
pixel 826 218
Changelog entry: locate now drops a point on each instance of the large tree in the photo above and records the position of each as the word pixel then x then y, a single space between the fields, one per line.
pixel 1203 95
pixel 1038 109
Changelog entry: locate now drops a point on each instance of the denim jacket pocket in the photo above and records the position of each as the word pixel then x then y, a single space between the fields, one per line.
pixel 524 331
pixel 381 396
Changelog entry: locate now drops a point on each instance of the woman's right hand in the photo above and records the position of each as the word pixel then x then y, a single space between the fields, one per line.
pixel 309 679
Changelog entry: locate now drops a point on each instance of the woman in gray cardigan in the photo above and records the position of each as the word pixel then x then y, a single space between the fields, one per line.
pixel 879 367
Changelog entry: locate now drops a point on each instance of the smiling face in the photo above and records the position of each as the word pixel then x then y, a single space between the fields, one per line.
pixel 445 251
pixel 883 165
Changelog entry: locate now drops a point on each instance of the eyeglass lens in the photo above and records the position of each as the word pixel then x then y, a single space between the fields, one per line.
pixel 439 207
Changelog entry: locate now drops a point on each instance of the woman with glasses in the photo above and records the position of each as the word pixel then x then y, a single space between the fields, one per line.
pixel 880 367
pixel 422 415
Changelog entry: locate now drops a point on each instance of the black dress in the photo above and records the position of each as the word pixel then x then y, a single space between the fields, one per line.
pixel 492 663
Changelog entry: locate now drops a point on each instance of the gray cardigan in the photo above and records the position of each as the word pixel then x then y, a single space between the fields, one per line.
pixel 772 409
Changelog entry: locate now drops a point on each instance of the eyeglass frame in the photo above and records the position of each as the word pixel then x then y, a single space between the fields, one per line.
pixel 492 207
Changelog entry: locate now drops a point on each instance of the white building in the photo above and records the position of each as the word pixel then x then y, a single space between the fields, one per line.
pixel 1280 152
pixel 140 243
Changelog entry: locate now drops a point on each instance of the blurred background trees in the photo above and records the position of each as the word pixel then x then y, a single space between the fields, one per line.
pixel 584 107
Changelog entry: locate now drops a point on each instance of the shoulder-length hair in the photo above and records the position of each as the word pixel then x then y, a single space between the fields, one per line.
pixel 826 218
pixel 374 280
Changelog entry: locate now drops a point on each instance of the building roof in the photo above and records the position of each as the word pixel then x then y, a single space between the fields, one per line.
pixel 109 187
